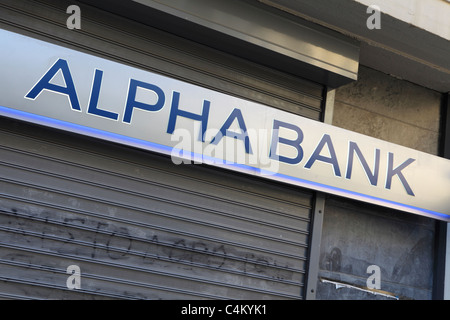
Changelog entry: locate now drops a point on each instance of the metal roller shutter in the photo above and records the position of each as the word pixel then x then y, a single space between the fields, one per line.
pixel 139 226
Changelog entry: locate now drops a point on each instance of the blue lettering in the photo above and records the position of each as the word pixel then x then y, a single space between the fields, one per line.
pixel 294 143
pixel 175 112
pixel 354 149
pixel 326 140
pixel 93 101
pixel 398 172
pixel 235 114
pixel 132 103
pixel 44 84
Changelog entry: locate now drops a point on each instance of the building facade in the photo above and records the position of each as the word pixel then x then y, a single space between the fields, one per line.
pixel 224 149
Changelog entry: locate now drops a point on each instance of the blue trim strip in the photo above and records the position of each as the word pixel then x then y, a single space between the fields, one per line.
pixel 22 115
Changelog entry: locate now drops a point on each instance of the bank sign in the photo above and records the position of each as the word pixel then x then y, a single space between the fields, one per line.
pixel 62 88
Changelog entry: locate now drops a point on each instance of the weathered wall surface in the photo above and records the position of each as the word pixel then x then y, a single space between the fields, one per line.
pixel 390 109
pixel 357 235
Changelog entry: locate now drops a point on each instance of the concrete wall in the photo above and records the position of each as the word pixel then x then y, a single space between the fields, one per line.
pixel 430 15
pixel 390 109
pixel 356 235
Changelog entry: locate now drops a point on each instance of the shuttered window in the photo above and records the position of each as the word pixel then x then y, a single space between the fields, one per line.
pixel 139 226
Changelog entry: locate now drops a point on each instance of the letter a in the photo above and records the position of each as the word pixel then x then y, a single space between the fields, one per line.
pixel 326 140
pixel 374 21
pixel 374 281
pixel 236 114
pixel 44 84
pixel 74 21
pixel 74 281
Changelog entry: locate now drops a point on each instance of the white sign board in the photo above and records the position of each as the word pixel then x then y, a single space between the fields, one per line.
pixel 62 88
